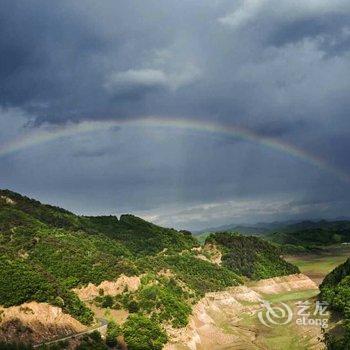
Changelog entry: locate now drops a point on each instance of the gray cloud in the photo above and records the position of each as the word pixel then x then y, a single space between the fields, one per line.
pixel 241 211
pixel 278 68
pixel 282 22
pixel 149 78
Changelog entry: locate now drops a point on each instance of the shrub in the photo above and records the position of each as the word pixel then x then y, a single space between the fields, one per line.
pixel 335 289
pixel 133 306
pixel 107 301
pixel 113 332
pixel 142 333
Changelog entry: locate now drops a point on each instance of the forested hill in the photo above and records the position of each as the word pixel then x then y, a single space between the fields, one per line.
pixel 310 233
pixel 250 256
pixel 140 236
pixel 296 237
pixel 47 251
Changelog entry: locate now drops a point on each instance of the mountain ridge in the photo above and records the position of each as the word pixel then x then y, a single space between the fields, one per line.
pixel 47 253
pixel 262 228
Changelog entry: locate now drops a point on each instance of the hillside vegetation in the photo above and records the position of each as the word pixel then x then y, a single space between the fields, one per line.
pixel 308 235
pixel 250 256
pixel 293 238
pixel 46 251
pixel 335 289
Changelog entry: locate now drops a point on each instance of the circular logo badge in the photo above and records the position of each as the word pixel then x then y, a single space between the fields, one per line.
pixel 275 315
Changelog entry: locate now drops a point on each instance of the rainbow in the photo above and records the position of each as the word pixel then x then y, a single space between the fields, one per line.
pixel 41 136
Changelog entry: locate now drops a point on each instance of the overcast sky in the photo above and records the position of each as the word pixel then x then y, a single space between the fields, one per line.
pixel 280 69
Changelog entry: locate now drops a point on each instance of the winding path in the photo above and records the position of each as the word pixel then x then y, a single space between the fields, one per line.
pixel 102 328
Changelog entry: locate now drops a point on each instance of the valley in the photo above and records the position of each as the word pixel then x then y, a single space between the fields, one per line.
pixel 318 265
pixel 235 325
pixel 228 320
pixel 155 288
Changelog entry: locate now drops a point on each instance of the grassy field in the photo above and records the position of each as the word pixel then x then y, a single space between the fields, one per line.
pixel 317 266
pixel 291 296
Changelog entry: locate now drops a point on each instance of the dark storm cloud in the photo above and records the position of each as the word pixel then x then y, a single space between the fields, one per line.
pixel 42 48
pixel 280 23
pixel 278 128
pixel 328 28
pixel 58 60
pixel 92 153
pixel 279 68
pixel 86 60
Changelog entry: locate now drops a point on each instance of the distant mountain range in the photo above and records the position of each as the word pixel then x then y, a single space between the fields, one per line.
pixel 262 228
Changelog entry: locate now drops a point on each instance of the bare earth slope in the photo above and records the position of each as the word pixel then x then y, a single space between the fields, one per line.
pixel 283 284
pixel 112 288
pixel 218 321
pixel 38 322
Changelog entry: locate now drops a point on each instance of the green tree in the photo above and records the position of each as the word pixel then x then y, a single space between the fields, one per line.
pixel 142 333
pixel 113 332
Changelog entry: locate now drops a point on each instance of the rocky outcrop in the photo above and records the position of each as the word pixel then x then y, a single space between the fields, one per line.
pixel 91 291
pixel 7 200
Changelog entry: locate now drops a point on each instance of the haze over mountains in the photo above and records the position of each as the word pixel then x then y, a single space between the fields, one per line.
pixel 268 227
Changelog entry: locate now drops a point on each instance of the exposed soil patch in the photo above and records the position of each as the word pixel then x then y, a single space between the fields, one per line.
pixel 36 322
pixel 91 291
pixel 283 284
pixel 214 252
pixel 118 316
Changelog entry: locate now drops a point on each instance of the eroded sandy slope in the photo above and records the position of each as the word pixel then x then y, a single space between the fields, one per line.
pixel 36 322
pixel 217 320
pixel 91 291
